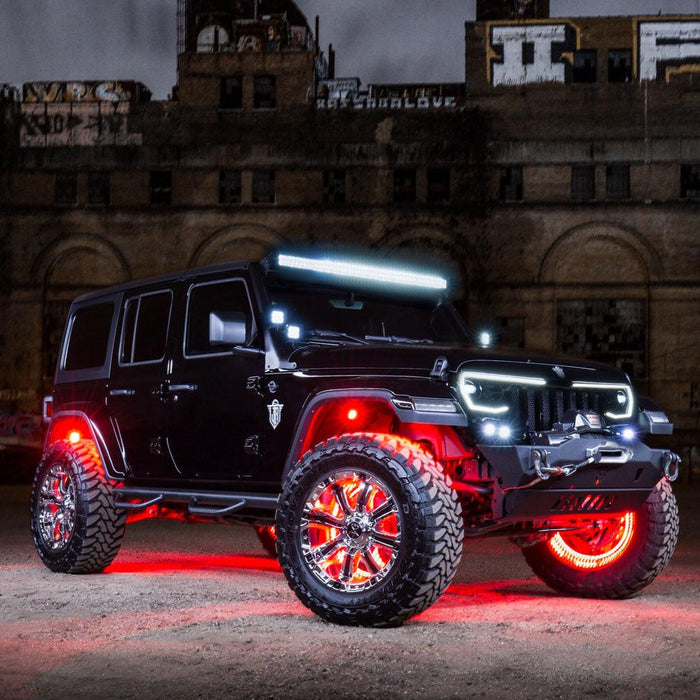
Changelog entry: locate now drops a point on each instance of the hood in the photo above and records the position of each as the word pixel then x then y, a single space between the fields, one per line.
pixel 418 360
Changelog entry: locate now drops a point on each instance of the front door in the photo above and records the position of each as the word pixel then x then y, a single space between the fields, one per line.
pixel 215 419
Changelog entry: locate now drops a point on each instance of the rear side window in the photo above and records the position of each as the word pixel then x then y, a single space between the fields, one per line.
pixel 205 299
pixel 145 328
pixel 89 338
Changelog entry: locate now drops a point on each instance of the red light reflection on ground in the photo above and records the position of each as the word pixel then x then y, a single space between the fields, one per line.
pixel 154 563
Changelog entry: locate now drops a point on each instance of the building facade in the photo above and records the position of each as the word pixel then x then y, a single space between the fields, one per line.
pixel 561 181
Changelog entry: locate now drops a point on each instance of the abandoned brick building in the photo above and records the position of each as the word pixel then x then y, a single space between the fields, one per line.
pixel 561 180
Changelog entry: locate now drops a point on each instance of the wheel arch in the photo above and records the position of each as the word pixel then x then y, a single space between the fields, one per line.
pixel 326 414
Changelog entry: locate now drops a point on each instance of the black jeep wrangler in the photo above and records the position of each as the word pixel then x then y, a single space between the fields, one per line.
pixel 343 409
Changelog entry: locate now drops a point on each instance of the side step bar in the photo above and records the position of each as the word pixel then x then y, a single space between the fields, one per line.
pixel 218 504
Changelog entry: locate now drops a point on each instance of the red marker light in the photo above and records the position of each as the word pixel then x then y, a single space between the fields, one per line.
pixel 352 414
pixel 73 437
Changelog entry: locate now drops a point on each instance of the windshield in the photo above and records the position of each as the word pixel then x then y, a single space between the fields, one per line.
pixel 345 315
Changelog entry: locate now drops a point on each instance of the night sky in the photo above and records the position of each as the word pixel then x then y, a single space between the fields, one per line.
pixel 376 40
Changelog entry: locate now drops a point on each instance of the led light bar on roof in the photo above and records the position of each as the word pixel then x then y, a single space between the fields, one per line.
pixel 372 273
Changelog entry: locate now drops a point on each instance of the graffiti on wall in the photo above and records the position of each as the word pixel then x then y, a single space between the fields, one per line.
pixel 74 124
pixel 531 53
pixel 85 91
pixel 667 47
pixel 21 430
pixel 344 93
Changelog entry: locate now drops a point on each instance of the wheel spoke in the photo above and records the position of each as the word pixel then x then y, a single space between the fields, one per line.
pixel 347 572
pixel 341 497
pixel 387 508
pixel 321 518
pixel 386 540
pixel 369 563
pixel 362 497
pixel 325 550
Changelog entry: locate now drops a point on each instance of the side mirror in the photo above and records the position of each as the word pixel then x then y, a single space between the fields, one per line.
pixel 228 328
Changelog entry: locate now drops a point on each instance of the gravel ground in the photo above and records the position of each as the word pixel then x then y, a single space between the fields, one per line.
pixel 201 612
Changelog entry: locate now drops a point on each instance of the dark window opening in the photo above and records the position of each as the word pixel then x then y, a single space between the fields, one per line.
pixel 690 182
pixel 66 189
pixel 230 187
pixel 99 188
pixel 585 67
pixel 232 92
pixel 334 187
pixel 264 187
pixel 511 184
pixel 438 185
pixel 161 183
pixel 619 65
pixel 89 337
pixel 265 92
pixel 55 315
pixel 510 331
pixel 528 53
pixel 583 183
pixel 612 331
pixel 405 186
pixel 145 332
pixel 617 185
pixel 220 298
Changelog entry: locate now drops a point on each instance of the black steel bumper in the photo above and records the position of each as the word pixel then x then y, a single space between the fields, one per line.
pixel 609 477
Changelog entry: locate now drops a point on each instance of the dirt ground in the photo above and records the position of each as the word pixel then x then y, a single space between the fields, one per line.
pixel 201 612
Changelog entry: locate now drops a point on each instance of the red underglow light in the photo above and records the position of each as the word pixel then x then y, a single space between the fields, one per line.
pixel 597 547
pixel 74 437
pixel 352 414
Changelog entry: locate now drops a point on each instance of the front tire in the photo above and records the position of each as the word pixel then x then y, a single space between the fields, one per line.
pixel 75 526
pixel 613 558
pixel 369 530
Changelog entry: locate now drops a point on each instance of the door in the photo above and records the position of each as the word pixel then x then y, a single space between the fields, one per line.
pixel 136 399
pixel 215 419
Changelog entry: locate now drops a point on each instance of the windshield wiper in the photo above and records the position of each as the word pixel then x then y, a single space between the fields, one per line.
pixel 336 335
pixel 396 339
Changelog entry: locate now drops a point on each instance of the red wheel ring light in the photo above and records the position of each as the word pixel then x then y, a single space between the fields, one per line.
pixel 580 552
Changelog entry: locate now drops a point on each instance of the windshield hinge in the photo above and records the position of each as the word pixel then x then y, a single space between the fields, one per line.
pixel 439 371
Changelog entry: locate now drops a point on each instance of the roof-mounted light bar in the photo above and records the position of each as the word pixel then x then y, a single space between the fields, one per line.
pixel 360 271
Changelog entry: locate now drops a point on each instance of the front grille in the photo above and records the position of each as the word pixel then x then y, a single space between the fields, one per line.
pixel 541 408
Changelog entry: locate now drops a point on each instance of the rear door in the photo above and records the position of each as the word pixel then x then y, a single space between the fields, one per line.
pixel 215 418
pixel 137 396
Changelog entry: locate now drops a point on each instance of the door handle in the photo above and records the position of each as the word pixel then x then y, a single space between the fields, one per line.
pixel 173 388
pixel 122 392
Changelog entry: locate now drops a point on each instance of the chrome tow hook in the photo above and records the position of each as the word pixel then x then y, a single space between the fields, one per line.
pixel 671 464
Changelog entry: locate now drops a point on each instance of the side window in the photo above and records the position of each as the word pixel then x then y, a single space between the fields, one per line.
pixel 145 328
pixel 89 338
pixel 218 300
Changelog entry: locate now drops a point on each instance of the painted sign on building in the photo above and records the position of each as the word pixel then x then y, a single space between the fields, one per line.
pixel 74 124
pixel 86 91
pixel 339 89
pixel 531 53
pixel 667 47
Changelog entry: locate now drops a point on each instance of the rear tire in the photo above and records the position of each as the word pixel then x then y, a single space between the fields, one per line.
pixel 369 530
pixel 617 557
pixel 74 523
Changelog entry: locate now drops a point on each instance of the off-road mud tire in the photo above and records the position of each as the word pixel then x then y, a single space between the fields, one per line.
pixel 653 543
pixel 431 526
pixel 98 526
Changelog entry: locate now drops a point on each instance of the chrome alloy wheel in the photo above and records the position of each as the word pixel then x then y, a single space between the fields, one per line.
pixel 56 512
pixel 350 531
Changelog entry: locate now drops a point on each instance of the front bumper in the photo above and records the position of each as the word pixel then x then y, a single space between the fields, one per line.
pixel 610 478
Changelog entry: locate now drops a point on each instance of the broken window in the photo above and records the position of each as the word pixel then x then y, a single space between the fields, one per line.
pixel 334 187
pixel 438 185
pixel 619 65
pixel 161 185
pixel 511 183
pixel 99 188
pixel 617 185
pixel 583 183
pixel 66 189
pixel 265 92
pixel 405 185
pixel 230 187
pixel 232 92
pixel 690 182
pixel 264 187
pixel 585 67
pixel 612 331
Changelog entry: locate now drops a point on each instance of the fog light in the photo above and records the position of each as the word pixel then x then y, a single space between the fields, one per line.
pixel 504 432
pixel 489 429
pixel 628 434
pixel 293 332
